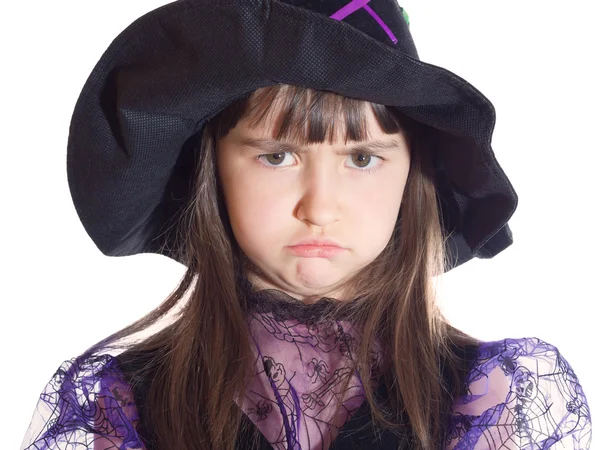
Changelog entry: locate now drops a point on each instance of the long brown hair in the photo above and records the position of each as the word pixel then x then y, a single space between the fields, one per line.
pixel 202 360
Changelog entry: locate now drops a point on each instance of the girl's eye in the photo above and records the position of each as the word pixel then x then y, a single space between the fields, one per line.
pixel 274 158
pixel 362 160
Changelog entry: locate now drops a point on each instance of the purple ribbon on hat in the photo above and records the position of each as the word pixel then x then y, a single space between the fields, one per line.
pixel 355 5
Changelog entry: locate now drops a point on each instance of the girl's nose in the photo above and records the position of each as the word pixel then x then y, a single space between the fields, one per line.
pixel 319 202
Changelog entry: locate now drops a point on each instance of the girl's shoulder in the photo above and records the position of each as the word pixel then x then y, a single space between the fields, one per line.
pixel 520 393
pixel 86 404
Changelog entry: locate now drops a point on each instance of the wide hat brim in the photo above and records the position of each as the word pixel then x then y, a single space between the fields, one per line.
pixel 135 129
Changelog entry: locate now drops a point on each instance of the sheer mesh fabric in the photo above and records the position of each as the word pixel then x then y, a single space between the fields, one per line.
pixel 520 393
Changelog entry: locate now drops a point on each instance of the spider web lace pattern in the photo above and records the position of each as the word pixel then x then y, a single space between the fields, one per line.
pixel 86 405
pixel 521 394
pixel 302 362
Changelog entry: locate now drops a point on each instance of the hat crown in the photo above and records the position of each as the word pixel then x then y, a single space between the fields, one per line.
pixel 384 20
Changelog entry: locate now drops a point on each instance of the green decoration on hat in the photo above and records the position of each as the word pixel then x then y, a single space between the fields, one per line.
pixel 405 15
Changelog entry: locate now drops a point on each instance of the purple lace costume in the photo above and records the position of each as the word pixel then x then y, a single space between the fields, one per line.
pixel 520 394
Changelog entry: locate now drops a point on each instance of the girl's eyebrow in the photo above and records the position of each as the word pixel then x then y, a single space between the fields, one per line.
pixel 274 146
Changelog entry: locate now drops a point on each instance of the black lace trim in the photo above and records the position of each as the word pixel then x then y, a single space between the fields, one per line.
pixel 285 307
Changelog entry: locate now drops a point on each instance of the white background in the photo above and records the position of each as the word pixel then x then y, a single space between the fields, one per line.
pixel 537 61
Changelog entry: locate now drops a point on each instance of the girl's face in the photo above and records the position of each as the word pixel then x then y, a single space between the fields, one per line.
pixel 277 195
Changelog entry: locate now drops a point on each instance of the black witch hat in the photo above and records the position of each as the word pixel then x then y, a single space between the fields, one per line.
pixel 135 127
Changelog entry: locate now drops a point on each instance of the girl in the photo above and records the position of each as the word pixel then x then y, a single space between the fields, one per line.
pixel 314 177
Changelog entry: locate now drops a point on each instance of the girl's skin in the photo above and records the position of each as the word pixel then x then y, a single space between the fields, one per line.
pixel 285 196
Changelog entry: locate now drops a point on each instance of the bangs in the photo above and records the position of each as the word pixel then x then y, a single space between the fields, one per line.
pixel 305 116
